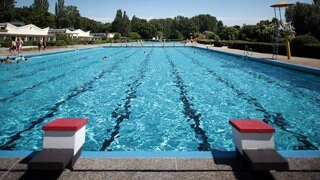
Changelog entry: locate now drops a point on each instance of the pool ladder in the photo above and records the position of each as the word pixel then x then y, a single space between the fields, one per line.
pixel 246 52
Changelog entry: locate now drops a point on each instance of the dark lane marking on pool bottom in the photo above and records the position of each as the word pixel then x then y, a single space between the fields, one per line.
pixel 123 112
pixel 10 144
pixel 17 93
pixel 46 68
pixel 241 66
pixel 277 118
pixel 51 57
pixel 188 110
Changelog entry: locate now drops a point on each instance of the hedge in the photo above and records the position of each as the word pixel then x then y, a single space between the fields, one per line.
pixel 309 50
pixel 208 41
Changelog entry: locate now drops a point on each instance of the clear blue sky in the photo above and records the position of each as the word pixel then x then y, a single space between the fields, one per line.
pixel 230 12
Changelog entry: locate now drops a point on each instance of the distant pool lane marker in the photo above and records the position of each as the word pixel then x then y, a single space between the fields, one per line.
pixel 271 118
pixel 265 78
pixel 18 93
pixel 10 144
pixel 188 110
pixel 123 111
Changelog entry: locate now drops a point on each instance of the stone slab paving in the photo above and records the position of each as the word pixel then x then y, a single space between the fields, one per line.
pixel 309 62
pixel 162 168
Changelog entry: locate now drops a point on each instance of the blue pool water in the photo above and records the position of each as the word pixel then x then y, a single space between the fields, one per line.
pixel 156 99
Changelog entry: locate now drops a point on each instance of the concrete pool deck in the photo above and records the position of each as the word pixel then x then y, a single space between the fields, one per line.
pixel 162 168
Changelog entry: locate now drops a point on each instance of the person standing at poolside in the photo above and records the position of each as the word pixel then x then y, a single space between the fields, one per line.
pixel 13 47
pixel 19 45
pixel 40 44
pixel 44 44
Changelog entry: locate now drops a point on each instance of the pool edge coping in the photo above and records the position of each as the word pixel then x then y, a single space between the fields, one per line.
pixel 166 154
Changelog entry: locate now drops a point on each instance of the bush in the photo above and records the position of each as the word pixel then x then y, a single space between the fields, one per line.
pixel 304 40
pixel 211 35
pixel 30 43
pixel 117 36
pixel 309 50
pixel 60 43
pixel 209 42
pixel 134 35
pixel 6 43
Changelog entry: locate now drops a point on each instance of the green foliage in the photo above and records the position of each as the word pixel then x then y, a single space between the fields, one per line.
pixel 306 18
pixel 144 28
pixel 311 51
pixel 229 33
pixel 216 43
pixel 177 35
pixel 261 32
pixel 134 35
pixel 304 39
pixel 68 40
pixel 211 35
pixel 121 23
pixel 6 7
pixel 117 36
pixel 30 43
pixel 205 22
pixel 6 43
pixel 61 43
pixel 42 5
pixel 147 30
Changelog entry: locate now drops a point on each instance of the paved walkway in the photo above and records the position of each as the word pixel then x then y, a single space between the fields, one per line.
pixel 162 168
pixel 309 62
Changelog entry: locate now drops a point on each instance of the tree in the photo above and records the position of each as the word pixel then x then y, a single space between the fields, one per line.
pixel 121 23
pixel 60 12
pixel 126 28
pixel 306 18
pixel 6 9
pixel 134 35
pixel 219 26
pixel 147 30
pixel 205 22
pixel 41 5
pixel 229 33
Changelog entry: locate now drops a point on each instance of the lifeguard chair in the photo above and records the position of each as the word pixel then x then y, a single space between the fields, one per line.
pixel 281 28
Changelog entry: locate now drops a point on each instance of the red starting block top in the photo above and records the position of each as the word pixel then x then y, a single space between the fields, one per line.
pixel 252 126
pixel 65 124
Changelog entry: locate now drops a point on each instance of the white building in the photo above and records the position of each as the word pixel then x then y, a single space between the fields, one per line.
pixel 79 34
pixel 28 32
pixel 110 35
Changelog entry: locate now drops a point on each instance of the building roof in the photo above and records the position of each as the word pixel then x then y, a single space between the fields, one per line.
pixel 27 30
pixel 79 33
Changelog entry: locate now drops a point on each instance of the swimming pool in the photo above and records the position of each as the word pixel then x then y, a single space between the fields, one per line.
pixel 156 99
